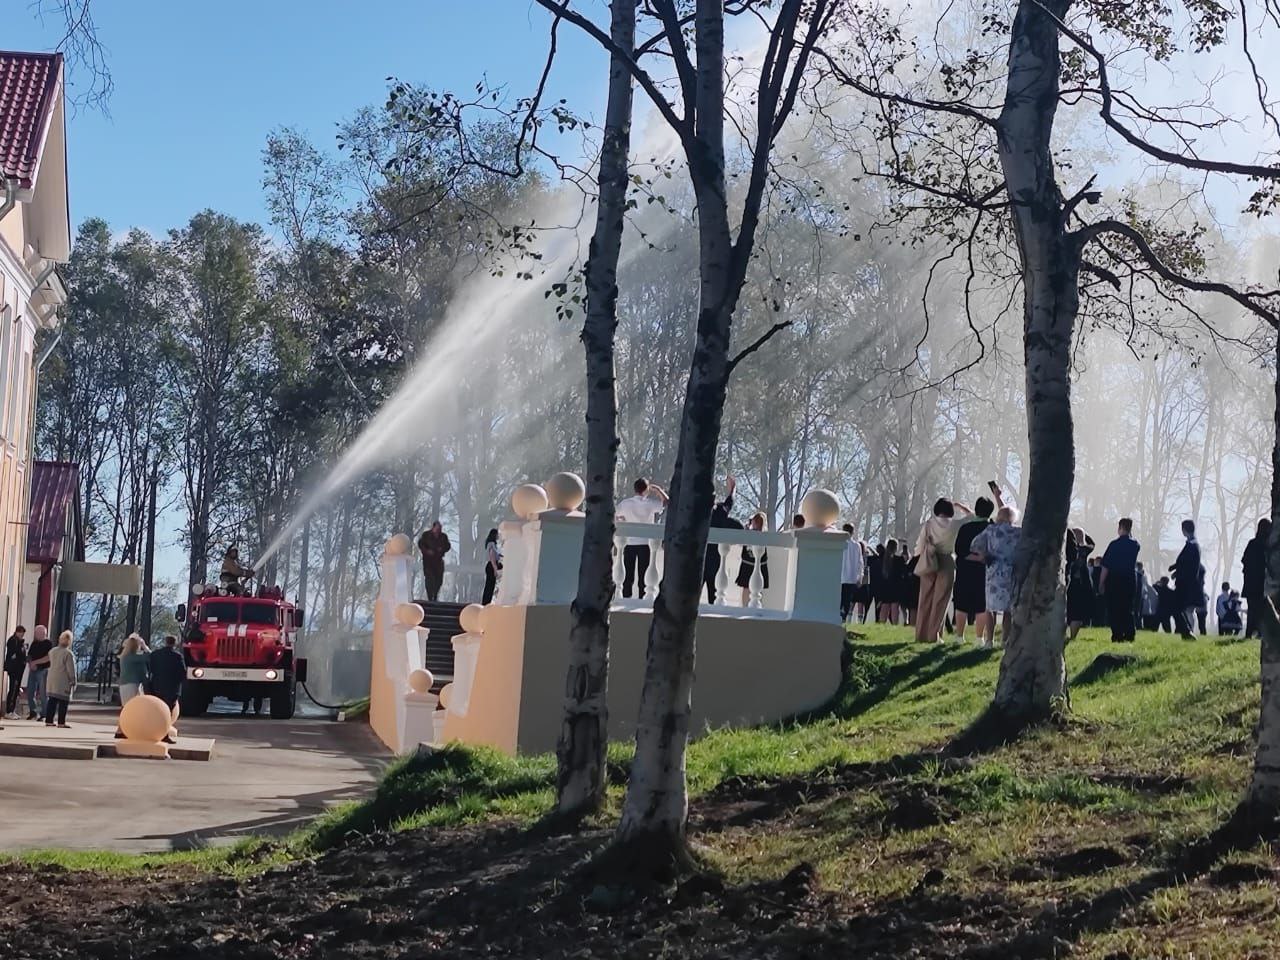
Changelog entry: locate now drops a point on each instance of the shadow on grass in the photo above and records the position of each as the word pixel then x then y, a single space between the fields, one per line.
pixel 869 681
pixel 1052 931
pixel 452 776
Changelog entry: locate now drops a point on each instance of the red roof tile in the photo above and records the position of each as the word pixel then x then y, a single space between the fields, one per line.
pixel 28 82
pixel 55 489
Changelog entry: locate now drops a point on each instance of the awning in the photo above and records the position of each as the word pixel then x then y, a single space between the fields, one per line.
pixel 118 579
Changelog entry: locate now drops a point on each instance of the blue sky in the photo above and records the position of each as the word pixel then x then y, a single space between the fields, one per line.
pixel 199 85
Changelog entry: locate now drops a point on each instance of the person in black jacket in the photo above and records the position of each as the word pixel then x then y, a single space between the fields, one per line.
pixel 1254 563
pixel 1166 606
pixel 721 520
pixel 1188 578
pixel 168 671
pixel 15 664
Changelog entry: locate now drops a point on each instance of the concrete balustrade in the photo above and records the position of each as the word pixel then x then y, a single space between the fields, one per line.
pixel 772 657
pixel 804 567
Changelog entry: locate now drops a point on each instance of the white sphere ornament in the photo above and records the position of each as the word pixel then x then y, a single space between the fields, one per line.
pixel 398 546
pixel 820 509
pixel 470 618
pixel 420 681
pixel 566 491
pixel 528 500
pixel 409 614
pixel 146 719
pixel 446 696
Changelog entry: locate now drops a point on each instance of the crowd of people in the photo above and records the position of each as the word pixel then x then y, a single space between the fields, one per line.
pixel 958 573
pixel 961 573
pixel 45 673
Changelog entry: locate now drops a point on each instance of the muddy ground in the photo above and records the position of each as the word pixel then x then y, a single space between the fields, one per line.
pixel 504 891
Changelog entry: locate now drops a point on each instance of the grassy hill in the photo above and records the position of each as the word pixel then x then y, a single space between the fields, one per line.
pixel 843 832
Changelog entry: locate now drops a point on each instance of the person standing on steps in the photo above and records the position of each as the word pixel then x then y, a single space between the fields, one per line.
pixel 1254 563
pixel 937 566
pixel 37 671
pixel 1118 581
pixel 61 682
pixel 645 506
pixel 1188 581
pixel 434 544
pixel 15 665
pixel 492 566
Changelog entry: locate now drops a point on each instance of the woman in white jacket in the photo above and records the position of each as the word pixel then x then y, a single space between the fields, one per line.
pixel 61 684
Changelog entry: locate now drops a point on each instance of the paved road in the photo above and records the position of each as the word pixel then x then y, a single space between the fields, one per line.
pixel 266 777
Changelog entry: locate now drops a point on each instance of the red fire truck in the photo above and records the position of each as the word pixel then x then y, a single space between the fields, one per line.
pixel 241 648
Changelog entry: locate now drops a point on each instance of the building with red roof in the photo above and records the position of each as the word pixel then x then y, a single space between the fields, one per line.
pixel 55 543
pixel 35 236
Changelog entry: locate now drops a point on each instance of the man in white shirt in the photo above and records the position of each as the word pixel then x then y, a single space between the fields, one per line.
pixel 645 507
pixel 850 574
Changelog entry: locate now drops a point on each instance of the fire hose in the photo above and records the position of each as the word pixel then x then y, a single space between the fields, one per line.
pixel 324 706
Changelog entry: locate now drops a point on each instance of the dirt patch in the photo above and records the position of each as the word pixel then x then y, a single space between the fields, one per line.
pixel 498 890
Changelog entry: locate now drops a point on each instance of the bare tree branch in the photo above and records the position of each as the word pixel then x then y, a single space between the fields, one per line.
pixel 758 343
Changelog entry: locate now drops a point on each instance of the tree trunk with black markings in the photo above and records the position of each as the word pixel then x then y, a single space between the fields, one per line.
pixel 580 753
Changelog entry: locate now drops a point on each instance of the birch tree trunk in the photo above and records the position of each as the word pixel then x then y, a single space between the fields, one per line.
pixel 652 829
pixel 1033 671
pixel 580 753
pixel 1262 801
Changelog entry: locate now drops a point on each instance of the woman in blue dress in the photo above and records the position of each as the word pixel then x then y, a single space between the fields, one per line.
pixel 996 546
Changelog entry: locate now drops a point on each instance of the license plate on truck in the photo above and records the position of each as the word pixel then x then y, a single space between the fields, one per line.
pixel 233 673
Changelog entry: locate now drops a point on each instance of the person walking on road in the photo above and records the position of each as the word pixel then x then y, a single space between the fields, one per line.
pixel 61 681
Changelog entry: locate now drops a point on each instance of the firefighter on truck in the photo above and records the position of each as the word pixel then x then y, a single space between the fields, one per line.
pixel 232 573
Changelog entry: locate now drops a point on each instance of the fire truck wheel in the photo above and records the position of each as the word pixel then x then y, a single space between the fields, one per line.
pixel 284 699
pixel 194 703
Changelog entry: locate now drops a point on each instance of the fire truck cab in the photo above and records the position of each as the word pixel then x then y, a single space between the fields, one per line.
pixel 241 648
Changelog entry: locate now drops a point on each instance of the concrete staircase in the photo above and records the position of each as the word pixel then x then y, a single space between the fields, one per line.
pixel 442 620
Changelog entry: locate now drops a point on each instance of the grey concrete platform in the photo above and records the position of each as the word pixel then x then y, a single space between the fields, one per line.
pixel 91 735
pixel 266 777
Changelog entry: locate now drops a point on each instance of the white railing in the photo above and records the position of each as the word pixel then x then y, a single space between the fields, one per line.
pixel 540 565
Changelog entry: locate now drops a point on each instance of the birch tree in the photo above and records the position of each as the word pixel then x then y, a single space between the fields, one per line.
pixel 651 833
pixel 580 753
pixel 969 140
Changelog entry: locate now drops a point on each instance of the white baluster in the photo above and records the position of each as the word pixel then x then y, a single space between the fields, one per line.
pixel 651 576
pixel 722 576
pixel 619 570
pixel 757 580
